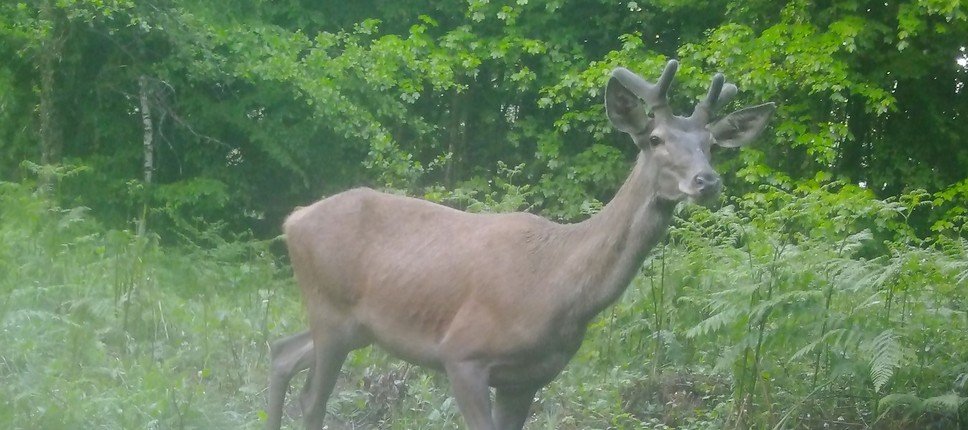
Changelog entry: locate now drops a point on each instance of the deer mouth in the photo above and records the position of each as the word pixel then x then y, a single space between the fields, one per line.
pixel 701 195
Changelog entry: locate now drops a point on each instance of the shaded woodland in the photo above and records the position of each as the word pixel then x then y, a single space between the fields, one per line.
pixel 150 150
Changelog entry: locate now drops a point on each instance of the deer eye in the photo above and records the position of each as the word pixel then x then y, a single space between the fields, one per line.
pixel 655 140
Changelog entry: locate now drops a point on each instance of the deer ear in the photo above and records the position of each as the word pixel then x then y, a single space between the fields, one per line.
pixel 624 109
pixel 742 126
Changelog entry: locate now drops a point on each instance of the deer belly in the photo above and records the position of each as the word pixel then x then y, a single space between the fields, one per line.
pixel 528 372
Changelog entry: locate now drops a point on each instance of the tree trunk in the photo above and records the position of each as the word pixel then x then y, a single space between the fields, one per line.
pixel 853 159
pixel 453 141
pixel 149 150
pixel 51 132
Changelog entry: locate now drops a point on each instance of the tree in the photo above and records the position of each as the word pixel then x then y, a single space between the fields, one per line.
pixel 259 107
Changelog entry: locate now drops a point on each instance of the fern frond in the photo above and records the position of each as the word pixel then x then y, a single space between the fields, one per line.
pixel 886 354
pixel 855 275
pixel 856 241
pixel 848 339
pixel 812 346
pixel 713 323
pixel 947 404
pixel 907 400
pixel 962 263
pixel 909 404
pixel 732 353
pixel 743 290
pixel 794 296
pixel 889 273
pixel 874 299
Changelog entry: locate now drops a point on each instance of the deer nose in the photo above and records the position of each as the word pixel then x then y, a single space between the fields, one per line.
pixel 707 182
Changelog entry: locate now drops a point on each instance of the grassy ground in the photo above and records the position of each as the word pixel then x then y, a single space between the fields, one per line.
pixel 101 329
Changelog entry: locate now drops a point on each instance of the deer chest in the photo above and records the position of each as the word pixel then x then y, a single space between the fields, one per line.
pixel 538 366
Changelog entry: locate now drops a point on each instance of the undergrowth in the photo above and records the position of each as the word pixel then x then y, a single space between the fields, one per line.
pixel 104 329
pixel 811 308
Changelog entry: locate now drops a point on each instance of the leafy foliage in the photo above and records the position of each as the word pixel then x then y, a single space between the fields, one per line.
pixel 826 290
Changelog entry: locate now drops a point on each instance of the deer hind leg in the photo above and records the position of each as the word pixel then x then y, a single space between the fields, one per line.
pixel 511 407
pixel 331 345
pixel 289 356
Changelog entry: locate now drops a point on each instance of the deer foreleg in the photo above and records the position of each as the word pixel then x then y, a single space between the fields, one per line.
pixel 511 408
pixel 473 395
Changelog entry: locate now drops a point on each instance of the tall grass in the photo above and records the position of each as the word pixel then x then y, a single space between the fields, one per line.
pixel 103 329
pixel 812 308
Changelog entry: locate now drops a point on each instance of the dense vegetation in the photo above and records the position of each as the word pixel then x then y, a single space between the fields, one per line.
pixel 149 150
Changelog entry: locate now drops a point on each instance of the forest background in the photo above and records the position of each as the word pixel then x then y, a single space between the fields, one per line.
pixel 150 149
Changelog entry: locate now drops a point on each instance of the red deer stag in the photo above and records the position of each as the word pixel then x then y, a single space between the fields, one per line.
pixel 493 300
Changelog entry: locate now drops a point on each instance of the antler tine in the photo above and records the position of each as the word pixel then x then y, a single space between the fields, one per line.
pixel 725 96
pixel 665 81
pixel 653 94
pixel 704 109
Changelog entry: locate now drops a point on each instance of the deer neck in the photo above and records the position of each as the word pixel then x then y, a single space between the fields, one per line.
pixel 610 246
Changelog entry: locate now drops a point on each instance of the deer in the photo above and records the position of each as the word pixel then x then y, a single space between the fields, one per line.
pixel 498 300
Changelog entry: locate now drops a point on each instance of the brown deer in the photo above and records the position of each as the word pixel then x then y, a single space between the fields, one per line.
pixel 493 300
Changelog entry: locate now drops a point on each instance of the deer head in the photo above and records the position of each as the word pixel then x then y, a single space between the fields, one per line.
pixel 679 146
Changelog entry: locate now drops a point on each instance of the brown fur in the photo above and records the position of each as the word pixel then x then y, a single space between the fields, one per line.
pixel 499 300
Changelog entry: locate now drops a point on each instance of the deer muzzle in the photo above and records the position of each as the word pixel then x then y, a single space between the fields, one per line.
pixel 704 187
